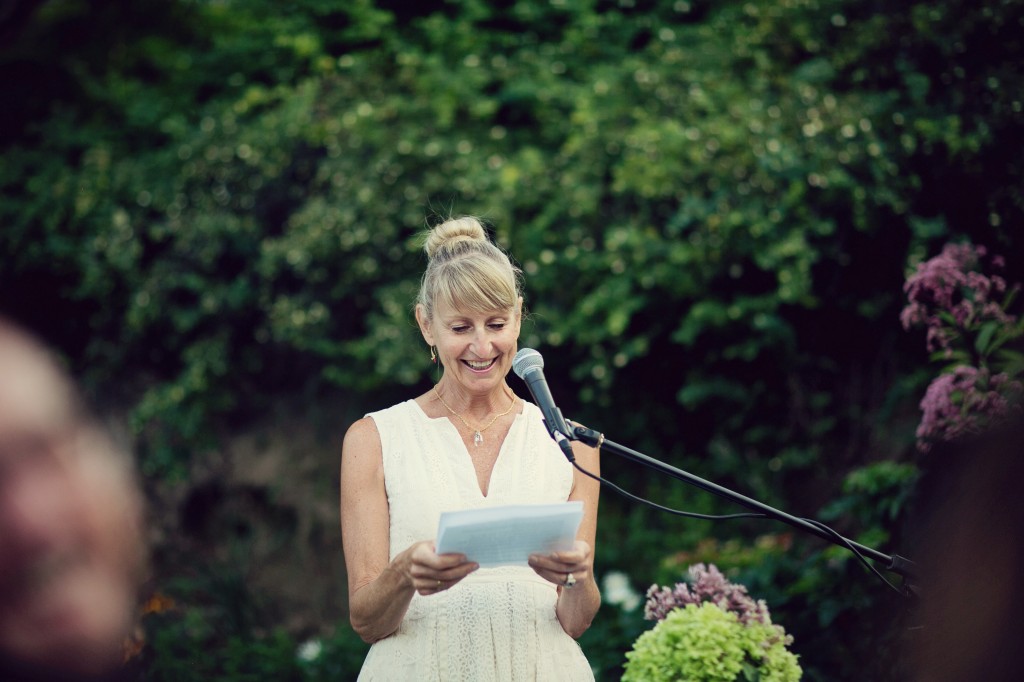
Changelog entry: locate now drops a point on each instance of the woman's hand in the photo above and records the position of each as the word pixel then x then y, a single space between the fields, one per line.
pixel 430 572
pixel 557 567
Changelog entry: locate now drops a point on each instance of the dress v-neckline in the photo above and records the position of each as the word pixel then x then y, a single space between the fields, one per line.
pixel 468 458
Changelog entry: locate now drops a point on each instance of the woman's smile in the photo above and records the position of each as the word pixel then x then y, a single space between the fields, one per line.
pixel 479 366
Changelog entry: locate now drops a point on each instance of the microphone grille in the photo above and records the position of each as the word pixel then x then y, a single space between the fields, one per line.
pixel 525 360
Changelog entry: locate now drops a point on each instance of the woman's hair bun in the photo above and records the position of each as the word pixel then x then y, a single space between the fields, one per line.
pixel 449 234
pixel 466 270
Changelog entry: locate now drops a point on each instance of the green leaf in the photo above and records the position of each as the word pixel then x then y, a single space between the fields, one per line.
pixel 981 344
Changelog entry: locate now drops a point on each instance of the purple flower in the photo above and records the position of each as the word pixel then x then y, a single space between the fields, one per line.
pixel 952 284
pixel 962 402
pixel 952 297
pixel 707 585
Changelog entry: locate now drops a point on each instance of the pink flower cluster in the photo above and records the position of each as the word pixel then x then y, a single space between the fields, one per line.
pixel 948 288
pixel 963 402
pixel 953 299
pixel 708 585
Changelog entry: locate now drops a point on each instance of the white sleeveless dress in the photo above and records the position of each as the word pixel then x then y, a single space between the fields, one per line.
pixel 497 623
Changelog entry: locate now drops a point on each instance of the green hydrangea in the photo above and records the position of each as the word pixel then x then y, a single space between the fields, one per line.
pixel 706 644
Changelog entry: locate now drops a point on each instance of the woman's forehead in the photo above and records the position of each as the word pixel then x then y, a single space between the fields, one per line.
pixel 445 311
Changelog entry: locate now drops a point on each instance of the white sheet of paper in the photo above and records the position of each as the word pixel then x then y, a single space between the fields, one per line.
pixel 502 536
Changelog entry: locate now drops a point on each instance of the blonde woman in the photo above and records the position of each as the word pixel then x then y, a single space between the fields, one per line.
pixel 468 442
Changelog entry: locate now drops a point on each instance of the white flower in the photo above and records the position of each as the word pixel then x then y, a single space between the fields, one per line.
pixel 310 651
pixel 617 591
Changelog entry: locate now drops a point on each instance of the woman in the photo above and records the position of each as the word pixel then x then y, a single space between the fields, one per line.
pixel 469 442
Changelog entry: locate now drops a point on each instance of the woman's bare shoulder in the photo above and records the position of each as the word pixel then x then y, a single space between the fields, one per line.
pixel 362 436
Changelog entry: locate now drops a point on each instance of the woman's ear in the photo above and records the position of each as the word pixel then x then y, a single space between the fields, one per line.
pixel 424 324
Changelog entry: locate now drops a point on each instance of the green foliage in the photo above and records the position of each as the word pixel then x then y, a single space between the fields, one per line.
pixel 705 644
pixel 739 555
pixel 874 494
pixel 179 659
pixel 209 627
pixel 253 234
pixel 177 653
pixel 610 635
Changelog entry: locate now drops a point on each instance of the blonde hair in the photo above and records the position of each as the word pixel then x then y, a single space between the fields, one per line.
pixel 466 270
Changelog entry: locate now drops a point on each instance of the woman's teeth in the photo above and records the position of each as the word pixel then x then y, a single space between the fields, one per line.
pixel 479 365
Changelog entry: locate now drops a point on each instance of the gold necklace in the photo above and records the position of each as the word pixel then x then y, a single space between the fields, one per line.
pixel 478 434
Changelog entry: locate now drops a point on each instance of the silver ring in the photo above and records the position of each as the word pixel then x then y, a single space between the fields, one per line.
pixel 439 583
pixel 569 580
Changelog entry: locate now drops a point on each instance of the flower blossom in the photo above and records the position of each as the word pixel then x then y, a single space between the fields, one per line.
pixel 962 402
pixel 954 299
pixel 617 591
pixel 708 585
pixel 310 651
pixel 950 285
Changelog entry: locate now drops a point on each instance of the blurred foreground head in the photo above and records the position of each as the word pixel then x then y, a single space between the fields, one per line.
pixel 972 602
pixel 70 526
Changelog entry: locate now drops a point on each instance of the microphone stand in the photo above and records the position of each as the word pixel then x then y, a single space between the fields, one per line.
pixel 895 563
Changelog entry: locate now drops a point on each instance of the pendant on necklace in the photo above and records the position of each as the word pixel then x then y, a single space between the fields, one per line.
pixel 478 438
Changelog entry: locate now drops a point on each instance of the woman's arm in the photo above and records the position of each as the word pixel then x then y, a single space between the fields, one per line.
pixel 379 591
pixel 577 605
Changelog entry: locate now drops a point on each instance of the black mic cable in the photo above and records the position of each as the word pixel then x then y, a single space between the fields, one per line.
pixel 529 366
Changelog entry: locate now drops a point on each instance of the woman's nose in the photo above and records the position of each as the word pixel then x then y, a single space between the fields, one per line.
pixel 481 344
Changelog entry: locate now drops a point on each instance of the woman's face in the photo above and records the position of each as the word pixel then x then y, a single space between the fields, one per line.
pixel 475 348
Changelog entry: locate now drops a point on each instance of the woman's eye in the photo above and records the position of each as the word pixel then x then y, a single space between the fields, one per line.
pixel 459 329
pixel 497 325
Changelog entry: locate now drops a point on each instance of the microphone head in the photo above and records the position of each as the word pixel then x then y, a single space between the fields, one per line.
pixel 525 360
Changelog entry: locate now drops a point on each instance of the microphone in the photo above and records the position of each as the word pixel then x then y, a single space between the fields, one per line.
pixel 529 366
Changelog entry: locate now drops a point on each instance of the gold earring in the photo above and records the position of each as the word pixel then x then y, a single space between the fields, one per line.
pixel 433 355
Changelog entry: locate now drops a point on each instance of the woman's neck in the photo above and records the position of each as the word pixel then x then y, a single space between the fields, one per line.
pixel 475 405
